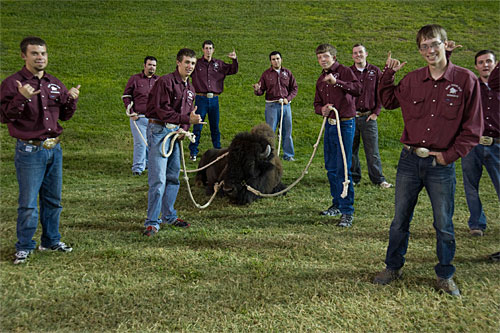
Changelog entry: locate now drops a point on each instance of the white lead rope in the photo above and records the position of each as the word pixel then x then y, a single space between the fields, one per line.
pixel 346 176
pixel 131 114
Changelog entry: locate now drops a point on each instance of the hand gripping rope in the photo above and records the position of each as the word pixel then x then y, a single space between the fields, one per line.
pixel 133 114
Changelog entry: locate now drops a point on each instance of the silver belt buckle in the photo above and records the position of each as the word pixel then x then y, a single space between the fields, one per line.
pixel 486 140
pixel 332 121
pixel 50 143
pixel 422 152
pixel 170 126
pixel 210 95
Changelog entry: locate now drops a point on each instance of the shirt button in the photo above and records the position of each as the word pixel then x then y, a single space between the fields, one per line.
pixel 432 115
pixel 45 108
pixel 487 117
pixel 428 129
pixel 423 141
pixel 433 101
pixel 43 96
pixel 50 129
pixel 488 107
pixel 435 86
pixel 451 104
pixel 46 118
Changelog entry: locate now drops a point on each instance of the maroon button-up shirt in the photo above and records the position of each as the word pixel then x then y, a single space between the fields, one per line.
pixel 443 114
pixel 494 79
pixel 139 86
pixel 368 100
pixel 171 100
pixel 491 110
pixel 341 94
pixel 35 118
pixel 276 86
pixel 208 77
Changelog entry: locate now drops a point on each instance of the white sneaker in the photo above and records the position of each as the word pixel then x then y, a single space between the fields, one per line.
pixel 21 257
pixel 60 247
pixel 385 184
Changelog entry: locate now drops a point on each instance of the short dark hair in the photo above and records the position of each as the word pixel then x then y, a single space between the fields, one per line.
pixel 185 52
pixel 483 52
pixel 149 58
pixel 359 44
pixel 431 31
pixel 274 53
pixel 31 40
pixel 207 42
pixel 323 48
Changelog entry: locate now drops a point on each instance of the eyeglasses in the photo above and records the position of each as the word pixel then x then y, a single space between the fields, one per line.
pixel 434 45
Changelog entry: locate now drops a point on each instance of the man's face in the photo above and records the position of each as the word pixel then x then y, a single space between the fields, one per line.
pixel 276 61
pixel 485 64
pixel 359 55
pixel 150 67
pixel 186 66
pixel 433 50
pixel 326 60
pixel 208 50
pixel 36 58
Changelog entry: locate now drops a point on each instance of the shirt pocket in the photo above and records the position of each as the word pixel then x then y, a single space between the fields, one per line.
pixel 450 109
pixel 416 107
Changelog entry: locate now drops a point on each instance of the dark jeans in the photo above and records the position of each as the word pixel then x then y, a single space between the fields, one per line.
pixel 206 106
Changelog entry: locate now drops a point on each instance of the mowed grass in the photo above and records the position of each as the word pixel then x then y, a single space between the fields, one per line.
pixel 272 266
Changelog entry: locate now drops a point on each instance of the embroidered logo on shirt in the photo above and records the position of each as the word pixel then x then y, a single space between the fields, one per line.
pixel 216 66
pixel 54 88
pixel 285 74
pixel 453 90
pixel 190 96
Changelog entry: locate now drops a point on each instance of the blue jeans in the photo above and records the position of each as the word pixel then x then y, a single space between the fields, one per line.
pixel 368 131
pixel 415 173
pixel 334 164
pixel 472 169
pixel 163 177
pixel 206 106
pixel 273 117
pixel 140 147
pixel 39 174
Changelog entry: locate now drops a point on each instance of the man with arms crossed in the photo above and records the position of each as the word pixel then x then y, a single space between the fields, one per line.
pixel 367 110
pixel 336 87
pixel 487 152
pixel 170 107
pixel 208 81
pixel 442 117
pixel 279 84
pixel 32 102
pixel 135 98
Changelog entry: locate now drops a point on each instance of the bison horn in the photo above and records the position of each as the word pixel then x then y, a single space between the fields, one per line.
pixel 266 153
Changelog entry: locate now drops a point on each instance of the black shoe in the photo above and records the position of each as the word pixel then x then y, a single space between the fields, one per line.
pixel 495 257
pixel 150 231
pixel 180 224
pixel 346 221
pixel 387 276
pixel 331 211
pixel 448 286
pixel 60 247
pixel 136 173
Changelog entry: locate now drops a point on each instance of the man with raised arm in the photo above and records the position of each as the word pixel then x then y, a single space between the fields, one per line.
pixel 32 102
pixel 442 117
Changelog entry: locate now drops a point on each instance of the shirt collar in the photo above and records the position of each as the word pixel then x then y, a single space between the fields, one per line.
pixel 333 68
pixel 448 73
pixel 28 75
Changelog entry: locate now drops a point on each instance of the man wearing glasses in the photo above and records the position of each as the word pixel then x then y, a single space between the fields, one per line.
pixel 441 106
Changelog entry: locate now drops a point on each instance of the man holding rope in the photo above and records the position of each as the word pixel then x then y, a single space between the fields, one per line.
pixel 441 106
pixel 170 107
pixel 135 98
pixel 32 102
pixel 208 80
pixel 280 87
pixel 335 89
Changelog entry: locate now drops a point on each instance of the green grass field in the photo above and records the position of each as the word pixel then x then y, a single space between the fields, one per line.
pixel 273 266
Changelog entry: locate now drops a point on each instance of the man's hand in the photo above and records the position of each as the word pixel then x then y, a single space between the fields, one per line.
pixel 373 116
pixel 285 101
pixel 325 110
pixel 330 79
pixel 439 157
pixel 232 55
pixel 256 86
pixel 194 118
pixel 393 64
pixel 134 118
pixel 74 92
pixel 26 90
pixel 450 46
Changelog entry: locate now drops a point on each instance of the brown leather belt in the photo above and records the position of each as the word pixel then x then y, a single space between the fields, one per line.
pixel 47 143
pixel 209 95
pixel 363 114
pixel 333 121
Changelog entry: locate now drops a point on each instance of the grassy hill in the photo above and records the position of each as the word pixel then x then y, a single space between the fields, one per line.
pixel 275 265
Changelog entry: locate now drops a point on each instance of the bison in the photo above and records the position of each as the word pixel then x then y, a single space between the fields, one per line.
pixel 251 160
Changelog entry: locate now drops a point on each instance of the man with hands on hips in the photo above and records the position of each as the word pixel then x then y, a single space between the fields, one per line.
pixel 31 104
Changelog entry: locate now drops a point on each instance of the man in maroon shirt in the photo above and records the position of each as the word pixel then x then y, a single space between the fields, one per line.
pixel 367 110
pixel 280 85
pixel 31 103
pixel 170 107
pixel 135 98
pixel 208 81
pixel 487 152
pixel 442 117
pixel 336 87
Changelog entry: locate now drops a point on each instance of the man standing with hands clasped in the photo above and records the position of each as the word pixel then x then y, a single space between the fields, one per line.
pixel 170 107
pixel 32 102
pixel 442 117
pixel 208 81
pixel 280 86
